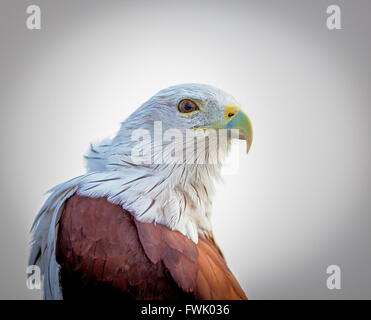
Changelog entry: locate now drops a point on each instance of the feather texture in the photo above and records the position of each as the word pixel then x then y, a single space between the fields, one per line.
pixel 105 252
pixel 142 230
pixel 43 243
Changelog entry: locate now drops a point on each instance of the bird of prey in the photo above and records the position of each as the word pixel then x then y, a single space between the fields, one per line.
pixel 137 224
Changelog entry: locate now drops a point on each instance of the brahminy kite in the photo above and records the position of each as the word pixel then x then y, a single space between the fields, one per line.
pixel 137 224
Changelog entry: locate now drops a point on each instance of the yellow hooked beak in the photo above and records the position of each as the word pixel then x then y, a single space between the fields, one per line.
pixel 238 120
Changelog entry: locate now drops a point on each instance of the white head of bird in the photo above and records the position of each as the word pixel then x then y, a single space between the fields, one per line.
pixel 167 155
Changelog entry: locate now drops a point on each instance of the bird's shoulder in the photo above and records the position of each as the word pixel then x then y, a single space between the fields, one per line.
pixel 103 249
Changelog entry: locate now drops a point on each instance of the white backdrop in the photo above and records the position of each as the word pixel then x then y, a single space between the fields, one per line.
pixel 301 198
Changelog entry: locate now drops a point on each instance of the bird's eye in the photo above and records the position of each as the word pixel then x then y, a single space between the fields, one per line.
pixel 187 106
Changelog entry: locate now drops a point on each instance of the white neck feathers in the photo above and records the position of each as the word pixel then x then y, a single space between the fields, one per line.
pixel 176 195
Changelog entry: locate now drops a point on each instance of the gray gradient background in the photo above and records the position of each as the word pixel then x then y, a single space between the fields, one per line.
pixel 301 200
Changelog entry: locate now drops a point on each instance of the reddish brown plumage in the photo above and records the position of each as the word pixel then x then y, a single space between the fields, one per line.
pixel 105 253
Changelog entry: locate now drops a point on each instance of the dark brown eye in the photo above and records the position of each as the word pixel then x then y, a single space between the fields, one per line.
pixel 186 106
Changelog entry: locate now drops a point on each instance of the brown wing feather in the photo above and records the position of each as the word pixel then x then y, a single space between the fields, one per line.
pixel 104 252
pixel 214 280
